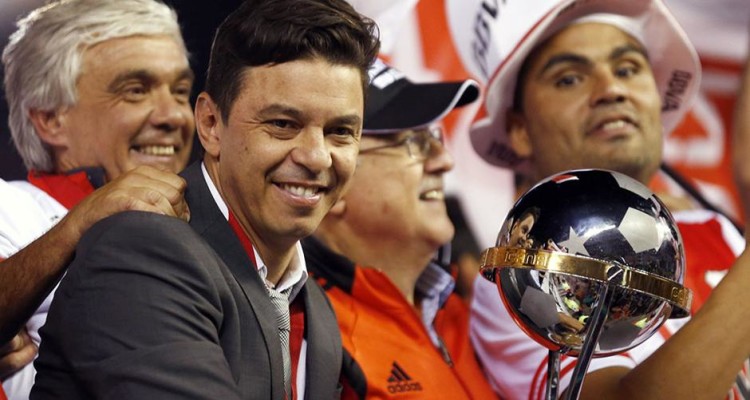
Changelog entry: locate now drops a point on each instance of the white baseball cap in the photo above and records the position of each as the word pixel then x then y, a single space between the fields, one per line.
pixel 494 38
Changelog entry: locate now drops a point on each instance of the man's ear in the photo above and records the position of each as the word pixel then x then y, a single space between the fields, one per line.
pixel 338 209
pixel 518 135
pixel 208 124
pixel 50 126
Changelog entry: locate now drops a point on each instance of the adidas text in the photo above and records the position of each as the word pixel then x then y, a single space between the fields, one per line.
pixel 404 387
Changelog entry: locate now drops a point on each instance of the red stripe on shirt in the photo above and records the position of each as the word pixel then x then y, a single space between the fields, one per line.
pixel 296 336
pixel 247 244
pixel 68 190
pixel 706 249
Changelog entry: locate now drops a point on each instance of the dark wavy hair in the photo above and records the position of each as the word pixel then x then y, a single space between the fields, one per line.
pixel 263 32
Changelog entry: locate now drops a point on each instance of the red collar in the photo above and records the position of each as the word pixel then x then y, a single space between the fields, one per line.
pixel 68 189
pixel 247 244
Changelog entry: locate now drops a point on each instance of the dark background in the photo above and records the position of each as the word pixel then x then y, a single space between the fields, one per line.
pixel 198 19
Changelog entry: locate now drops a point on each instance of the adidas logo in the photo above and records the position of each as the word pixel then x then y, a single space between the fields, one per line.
pixel 399 381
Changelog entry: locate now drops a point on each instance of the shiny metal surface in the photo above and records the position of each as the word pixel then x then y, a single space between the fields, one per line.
pixel 584 267
pixel 570 236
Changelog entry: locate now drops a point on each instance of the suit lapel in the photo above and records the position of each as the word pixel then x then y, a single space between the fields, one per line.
pixel 323 343
pixel 208 221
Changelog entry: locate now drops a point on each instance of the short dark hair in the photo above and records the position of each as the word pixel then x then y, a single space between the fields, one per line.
pixel 533 212
pixel 262 32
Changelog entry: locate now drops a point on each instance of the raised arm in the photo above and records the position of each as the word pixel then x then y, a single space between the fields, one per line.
pixel 701 361
pixel 30 274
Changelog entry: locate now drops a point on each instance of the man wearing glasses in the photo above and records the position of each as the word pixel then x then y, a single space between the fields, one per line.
pixel 404 331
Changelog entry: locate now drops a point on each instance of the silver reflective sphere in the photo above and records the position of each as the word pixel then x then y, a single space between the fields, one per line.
pixel 565 238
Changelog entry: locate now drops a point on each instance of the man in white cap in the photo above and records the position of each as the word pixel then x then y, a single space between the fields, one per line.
pixel 405 332
pixel 594 84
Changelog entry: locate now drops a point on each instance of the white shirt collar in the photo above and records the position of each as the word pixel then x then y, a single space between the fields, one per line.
pixel 435 284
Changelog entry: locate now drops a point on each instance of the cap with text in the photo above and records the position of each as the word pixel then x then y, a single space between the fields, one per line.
pixel 394 103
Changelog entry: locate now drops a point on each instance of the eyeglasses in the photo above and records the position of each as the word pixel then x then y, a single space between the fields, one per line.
pixel 421 143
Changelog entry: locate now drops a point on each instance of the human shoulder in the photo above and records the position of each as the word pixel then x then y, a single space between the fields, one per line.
pixel 144 250
pixel 133 230
pixel 136 240
pixel 23 196
pixel 26 212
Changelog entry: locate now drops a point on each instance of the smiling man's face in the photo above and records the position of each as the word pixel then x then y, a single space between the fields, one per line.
pixel 133 108
pixel 288 148
pixel 399 198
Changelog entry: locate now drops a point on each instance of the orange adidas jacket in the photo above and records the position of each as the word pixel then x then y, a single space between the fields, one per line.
pixel 388 351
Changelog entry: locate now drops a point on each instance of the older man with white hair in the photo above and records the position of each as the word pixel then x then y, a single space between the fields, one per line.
pixel 98 92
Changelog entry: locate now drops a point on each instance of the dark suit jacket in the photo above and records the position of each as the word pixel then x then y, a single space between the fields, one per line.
pixel 151 309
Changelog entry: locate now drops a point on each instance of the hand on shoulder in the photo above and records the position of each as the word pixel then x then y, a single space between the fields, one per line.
pixel 141 189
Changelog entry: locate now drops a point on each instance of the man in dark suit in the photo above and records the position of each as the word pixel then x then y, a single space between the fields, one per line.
pixel 152 309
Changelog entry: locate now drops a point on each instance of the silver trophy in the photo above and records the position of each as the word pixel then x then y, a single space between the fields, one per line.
pixel 589 263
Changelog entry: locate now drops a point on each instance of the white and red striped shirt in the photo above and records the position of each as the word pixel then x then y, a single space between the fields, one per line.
pixel 27 211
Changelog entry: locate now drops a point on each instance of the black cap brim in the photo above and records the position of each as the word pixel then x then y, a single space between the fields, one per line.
pixel 406 105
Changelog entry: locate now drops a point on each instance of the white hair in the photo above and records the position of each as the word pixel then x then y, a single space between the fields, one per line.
pixel 43 58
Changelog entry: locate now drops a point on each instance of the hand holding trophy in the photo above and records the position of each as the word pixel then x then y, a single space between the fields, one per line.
pixel 589 263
